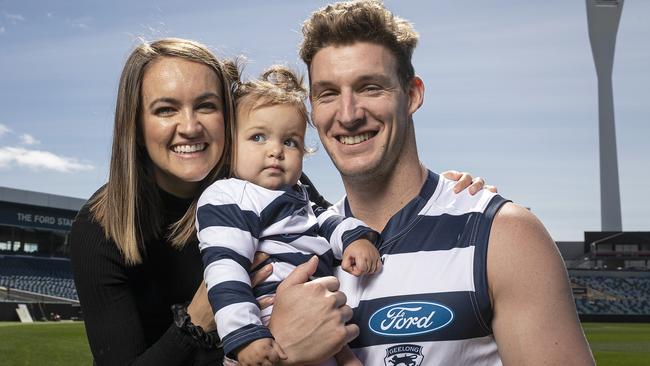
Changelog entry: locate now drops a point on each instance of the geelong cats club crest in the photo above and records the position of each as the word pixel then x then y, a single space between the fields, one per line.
pixel 404 355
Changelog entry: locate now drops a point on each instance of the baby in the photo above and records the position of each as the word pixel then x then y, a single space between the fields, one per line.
pixel 265 208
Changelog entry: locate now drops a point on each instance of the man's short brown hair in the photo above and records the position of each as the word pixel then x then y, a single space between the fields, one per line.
pixel 345 23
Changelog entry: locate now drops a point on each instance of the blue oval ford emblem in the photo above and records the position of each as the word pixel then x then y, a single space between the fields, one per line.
pixel 410 318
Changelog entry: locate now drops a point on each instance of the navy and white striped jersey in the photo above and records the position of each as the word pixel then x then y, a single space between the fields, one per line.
pixel 429 305
pixel 236 218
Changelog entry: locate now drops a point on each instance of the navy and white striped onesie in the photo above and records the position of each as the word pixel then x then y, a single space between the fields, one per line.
pixel 429 305
pixel 236 218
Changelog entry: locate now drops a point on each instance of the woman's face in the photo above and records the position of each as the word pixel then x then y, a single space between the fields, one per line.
pixel 182 122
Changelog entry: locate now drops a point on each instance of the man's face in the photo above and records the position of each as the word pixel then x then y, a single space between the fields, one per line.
pixel 359 107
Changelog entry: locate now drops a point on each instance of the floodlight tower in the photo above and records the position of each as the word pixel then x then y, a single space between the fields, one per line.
pixel 603 17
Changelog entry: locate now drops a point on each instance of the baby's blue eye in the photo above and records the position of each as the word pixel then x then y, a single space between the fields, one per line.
pixel 258 138
pixel 290 143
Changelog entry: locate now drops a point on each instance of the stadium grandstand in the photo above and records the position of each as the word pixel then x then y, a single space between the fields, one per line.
pixel 610 275
pixel 609 271
pixel 34 254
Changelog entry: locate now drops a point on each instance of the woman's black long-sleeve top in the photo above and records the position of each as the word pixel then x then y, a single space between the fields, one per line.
pixel 127 308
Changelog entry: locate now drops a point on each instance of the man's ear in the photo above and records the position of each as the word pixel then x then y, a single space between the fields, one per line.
pixel 416 94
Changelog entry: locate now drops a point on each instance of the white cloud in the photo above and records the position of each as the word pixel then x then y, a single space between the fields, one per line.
pixel 40 160
pixel 14 18
pixel 82 22
pixel 2 30
pixel 4 129
pixel 28 139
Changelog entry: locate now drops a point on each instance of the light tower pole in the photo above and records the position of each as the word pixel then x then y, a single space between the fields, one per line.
pixel 603 17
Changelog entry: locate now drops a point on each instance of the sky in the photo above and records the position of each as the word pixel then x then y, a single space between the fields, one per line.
pixel 511 92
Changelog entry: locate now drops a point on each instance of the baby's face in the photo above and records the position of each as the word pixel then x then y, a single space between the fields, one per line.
pixel 270 145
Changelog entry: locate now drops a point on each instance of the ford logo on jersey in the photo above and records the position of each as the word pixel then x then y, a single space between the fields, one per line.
pixel 410 318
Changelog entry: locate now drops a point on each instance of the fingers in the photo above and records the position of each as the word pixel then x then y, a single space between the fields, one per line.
pixel 351 332
pixel 258 259
pixel 330 282
pixel 490 188
pixel 372 265
pixel 265 302
pixel 347 263
pixel 452 174
pixel 345 357
pixel 339 299
pixel 346 313
pixel 301 274
pixel 269 356
pixel 378 265
pixel 352 362
pixel 362 267
pixel 259 276
pixel 463 182
pixel 461 179
pixel 280 352
pixel 477 185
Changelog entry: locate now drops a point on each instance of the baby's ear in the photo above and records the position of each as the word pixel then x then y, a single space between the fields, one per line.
pixel 309 151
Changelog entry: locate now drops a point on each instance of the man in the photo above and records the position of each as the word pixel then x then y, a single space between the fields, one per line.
pixel 466 279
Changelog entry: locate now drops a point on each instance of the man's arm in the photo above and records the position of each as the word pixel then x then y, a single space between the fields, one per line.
pixel 535 320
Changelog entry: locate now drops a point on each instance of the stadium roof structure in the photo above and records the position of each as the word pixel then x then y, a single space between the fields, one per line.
pixel 40 199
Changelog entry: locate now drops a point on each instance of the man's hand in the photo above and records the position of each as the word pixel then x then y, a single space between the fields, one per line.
pixel 308 319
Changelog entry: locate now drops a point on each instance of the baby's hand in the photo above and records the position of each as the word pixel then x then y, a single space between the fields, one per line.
pixel 345 357
pixel 261 352
pixel 361 257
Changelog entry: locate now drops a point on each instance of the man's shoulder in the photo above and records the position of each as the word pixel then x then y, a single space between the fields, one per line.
pixel 518 233
pixel 513 223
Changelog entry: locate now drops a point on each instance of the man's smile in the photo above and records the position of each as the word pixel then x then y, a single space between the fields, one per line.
pixel 356 139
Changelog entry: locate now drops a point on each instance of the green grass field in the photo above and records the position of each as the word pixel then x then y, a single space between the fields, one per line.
pixel 47 343
pixel 618 344
pixel 613 344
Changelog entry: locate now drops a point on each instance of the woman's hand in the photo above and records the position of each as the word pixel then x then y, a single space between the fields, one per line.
pixel 309 318
pixel 465 180
pixel 200 310
pixel 260 275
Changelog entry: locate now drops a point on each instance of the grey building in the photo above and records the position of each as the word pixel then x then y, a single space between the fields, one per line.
pixel 36 223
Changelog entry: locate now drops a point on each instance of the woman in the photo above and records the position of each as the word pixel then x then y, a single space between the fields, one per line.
pixel 132 249
pixel 133 245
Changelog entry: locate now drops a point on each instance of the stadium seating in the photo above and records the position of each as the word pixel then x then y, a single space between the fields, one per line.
pixel 35 266
pixel 52 286
pixel 609 295
pixel 47 276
